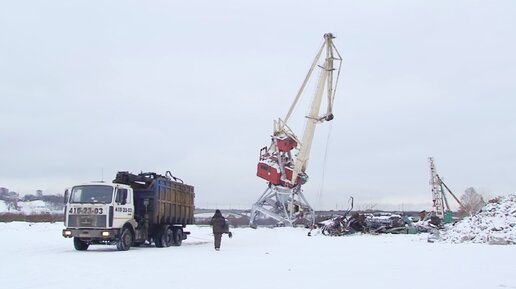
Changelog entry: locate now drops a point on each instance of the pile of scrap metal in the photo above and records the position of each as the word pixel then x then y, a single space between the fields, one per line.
pixel 342 225
pixel 383 223
pixel 389 223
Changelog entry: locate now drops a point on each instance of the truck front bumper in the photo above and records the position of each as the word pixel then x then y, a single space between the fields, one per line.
pixel 98 234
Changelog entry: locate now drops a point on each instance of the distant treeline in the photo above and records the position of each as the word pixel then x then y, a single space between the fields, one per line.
pixel 32 218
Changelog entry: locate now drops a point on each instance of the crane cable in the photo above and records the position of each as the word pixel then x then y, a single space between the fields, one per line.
pixel 330 104
pixel 321 189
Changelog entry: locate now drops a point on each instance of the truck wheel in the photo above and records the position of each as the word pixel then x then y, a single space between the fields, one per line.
pixel 80 245
pixel 178 237
pixel 167 238
pixel 158 239
pixel 125 241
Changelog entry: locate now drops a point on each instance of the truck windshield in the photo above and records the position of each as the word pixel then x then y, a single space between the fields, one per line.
pixel 92 194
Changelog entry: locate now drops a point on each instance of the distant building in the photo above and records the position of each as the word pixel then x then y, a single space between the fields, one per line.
pixel 6 195
pixel 12 196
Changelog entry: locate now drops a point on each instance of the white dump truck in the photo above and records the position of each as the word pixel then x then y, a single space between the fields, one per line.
pixel 132 210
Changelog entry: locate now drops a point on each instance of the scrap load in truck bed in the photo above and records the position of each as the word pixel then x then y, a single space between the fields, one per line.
pixel 168 201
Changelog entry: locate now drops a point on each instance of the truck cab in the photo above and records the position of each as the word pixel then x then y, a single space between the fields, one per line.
pixel 95 213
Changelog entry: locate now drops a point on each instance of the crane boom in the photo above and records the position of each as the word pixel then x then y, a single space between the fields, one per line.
pixel 325 80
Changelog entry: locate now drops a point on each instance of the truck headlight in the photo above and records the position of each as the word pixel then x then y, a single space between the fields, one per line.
pixel 67 233
pixel 105 234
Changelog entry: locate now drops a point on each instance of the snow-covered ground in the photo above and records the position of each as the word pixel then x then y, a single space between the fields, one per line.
pixel 36 256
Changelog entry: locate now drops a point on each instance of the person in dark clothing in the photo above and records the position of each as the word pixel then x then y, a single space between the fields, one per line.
pixel 220 226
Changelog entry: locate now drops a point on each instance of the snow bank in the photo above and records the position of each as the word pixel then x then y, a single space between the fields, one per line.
pixel 33 207
pixel 494 224
pixel 3 207
pixel 29 208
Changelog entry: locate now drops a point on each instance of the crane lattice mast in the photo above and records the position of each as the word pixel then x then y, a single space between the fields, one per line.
pixel 437 190
pixel 283 200
pixel 440 203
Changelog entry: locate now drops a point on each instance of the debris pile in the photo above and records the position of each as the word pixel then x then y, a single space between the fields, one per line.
pixel 494 224
pixel 373 224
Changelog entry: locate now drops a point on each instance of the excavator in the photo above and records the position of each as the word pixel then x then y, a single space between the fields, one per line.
pixel 283 164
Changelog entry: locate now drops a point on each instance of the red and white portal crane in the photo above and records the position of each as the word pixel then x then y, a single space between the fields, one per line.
pixel 283 164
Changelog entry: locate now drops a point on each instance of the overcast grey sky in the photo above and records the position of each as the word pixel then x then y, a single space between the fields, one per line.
pixel 92 87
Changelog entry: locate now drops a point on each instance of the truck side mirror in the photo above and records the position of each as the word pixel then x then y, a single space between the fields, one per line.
pixel 118 197
pixel 121 196
pixel 65 198
pixel 124 197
